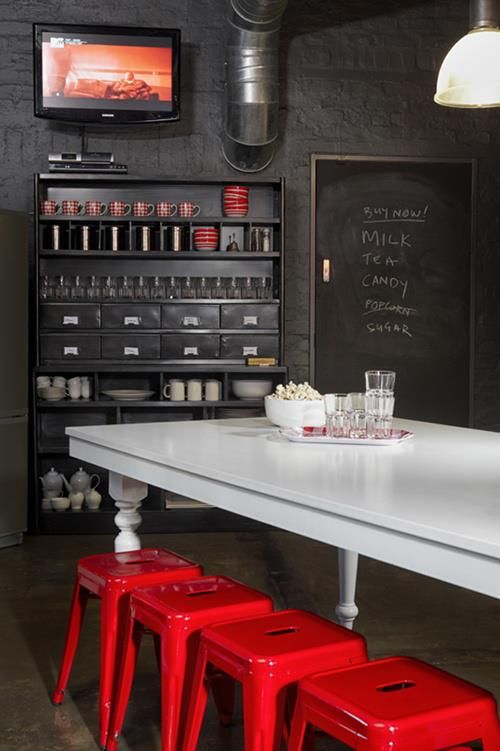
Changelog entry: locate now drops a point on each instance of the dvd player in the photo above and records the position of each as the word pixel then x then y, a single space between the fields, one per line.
pixel 87 167
pixel 70 157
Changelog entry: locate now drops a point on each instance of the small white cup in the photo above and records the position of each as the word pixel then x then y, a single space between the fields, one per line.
pixel 194 390
pixel 59 381
pixel 74 388
pixel 86 390
pixel 43 381
pixel 212 391
pixel 175 390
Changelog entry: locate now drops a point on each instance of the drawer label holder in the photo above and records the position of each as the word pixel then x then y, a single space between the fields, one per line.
pixel 250 320
pixel 71 320
pixel 191 351
pixel 131 321
pixel 131 351
pixel 71 351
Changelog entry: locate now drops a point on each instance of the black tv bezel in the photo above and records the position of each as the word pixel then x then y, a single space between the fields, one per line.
pixel 94 116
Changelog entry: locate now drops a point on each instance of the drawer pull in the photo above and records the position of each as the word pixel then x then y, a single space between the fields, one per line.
pixel 71 320
pixel 250 351
pixel 191 321
pixel 132 321
pixel 250 320
pixel 132 351
pixel 191 351
pixel 71 351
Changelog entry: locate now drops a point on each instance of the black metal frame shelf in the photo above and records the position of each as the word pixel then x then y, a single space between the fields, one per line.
pixel 50 445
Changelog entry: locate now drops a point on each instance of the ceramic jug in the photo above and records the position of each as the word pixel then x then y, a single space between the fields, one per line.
pixel 52 482
pixel 93 499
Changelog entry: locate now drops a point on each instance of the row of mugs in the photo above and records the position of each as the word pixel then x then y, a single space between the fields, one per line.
pixel 56 388
pixel 185 209
pixel 176 390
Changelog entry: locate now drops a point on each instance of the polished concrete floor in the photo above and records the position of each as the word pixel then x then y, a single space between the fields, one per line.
pixel 400 612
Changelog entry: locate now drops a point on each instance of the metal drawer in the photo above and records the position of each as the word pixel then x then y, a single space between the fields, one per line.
pixel 190 316
pixel 190 346
pixel 131 317
pixel 69 347
pixel 249 317
pixel 62 316
pixel 131 347
pixel 249 345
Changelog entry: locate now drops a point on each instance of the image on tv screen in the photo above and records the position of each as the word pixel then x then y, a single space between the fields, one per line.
pixel 119 72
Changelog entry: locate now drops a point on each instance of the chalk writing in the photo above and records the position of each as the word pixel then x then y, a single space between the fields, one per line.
pixel 383 239
pixel 373 214
pixel 379 260
pixel 389 327
pixel 386 306
pixel 384 280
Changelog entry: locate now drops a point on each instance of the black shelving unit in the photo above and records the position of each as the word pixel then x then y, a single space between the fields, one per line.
pixel 142 343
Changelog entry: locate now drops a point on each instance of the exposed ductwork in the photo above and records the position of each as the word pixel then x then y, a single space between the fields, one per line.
pixel 252 82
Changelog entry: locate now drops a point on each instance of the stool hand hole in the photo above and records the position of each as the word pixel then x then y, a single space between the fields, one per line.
pixel 400 686
pixel 282 631
pixel 143 560
pixel 203 592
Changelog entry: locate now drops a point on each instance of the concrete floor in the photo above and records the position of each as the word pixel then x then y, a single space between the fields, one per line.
pixel 400 613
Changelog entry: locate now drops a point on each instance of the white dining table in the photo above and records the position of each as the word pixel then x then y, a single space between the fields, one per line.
pixel 430 504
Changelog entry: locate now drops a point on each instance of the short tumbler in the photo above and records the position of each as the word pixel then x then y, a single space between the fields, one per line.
pixel 337 424
pixel 356 414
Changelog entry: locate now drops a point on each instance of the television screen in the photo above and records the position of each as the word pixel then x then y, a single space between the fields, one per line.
pixel 106 74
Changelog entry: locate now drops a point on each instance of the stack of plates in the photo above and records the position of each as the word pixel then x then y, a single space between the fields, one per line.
pixel 128 395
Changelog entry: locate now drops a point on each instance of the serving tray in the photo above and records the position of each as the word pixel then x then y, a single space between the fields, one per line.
pixel 318 435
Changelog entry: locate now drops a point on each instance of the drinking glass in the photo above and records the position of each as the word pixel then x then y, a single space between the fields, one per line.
pixel 173 290
pixel 63 288
pixel 93 288
pixel 234 290
pixel 337 424
pixel 356 414
pixel 379 402
pixel 157 291
pixel 141 290
pixel 78 292
pixel 188 291
pixel 218 289
pixel 109 289
pixel 203 289
pixel 126 290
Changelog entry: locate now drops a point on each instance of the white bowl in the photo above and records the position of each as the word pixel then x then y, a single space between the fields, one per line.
pixel 291 413
pixel 60 504
pixel 257 389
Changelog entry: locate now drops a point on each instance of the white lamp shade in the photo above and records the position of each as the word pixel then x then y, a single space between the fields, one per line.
pixel 470 73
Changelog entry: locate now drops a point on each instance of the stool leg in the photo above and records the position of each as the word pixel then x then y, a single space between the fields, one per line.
pixel 197 702
pixel 77 612
pixel 222 687
pixel 178 657
pixel 112 602
pixel 298 730
pixel 133 636
pixel 263 715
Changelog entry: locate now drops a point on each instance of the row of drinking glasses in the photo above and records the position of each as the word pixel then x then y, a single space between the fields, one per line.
pixel 63 287
pixel 363 415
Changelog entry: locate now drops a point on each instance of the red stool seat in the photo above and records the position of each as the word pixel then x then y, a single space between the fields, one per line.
pixel 395 703
pixel 268 655
pixel 112 576
pixel 177 612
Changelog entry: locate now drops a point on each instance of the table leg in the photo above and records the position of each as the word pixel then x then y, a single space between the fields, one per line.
pixel 127 494
pixel 347 610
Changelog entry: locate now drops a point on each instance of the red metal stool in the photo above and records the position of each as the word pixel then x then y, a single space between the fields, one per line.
pixel 177 612
pixel 397 703
pixel 268 655
pixel 112 576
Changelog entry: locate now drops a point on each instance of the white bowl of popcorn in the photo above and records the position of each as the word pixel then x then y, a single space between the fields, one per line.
pixel 295 405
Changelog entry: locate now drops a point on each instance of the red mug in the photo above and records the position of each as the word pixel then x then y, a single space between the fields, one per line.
pixel 49 207
pixel 95 208
pixel 206 238
pixel 188 209
pixel 141 208
pixel 164 208
pixel 235 200
pixel 118 208
pixel 72 208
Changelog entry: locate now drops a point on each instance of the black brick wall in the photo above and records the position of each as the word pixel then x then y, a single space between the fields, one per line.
pixel 358 77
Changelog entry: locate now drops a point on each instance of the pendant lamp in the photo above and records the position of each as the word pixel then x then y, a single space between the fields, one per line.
pixel 470 74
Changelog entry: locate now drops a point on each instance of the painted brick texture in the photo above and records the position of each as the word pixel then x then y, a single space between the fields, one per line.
pixel 358 77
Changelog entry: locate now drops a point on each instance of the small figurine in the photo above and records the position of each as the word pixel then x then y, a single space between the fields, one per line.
pixel 232 245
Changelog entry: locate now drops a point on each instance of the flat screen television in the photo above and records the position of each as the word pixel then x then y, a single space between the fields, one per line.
pixel 106 74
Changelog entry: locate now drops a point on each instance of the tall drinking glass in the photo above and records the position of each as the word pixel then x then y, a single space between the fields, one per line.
pixel 337 424
pixel 379 402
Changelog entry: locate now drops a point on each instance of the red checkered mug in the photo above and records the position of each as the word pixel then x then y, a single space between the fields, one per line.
pixel 141 208
pixel 165 208
pixel 119 208
pixel 49 207
pixel 72 208
pixel 188 209
pixel 95 208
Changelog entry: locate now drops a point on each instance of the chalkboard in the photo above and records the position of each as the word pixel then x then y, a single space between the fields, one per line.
pixel 397 234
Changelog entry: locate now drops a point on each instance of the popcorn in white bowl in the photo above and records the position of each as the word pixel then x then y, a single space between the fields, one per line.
pixel 296 392
pixel 295 406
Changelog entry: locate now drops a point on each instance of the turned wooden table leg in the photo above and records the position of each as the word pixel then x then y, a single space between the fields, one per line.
pixel 347 610
pixel 128 495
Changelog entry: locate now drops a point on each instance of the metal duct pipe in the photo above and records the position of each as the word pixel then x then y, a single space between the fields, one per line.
pixel 252 82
